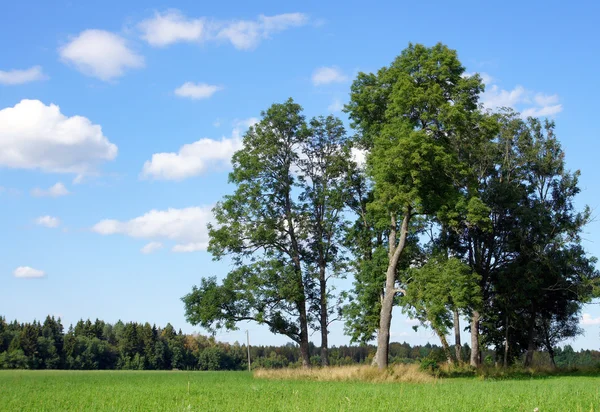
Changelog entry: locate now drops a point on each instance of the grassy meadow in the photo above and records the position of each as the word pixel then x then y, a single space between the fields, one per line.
pixel 22 390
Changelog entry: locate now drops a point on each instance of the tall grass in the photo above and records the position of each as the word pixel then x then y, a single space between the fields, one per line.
pixel 396 373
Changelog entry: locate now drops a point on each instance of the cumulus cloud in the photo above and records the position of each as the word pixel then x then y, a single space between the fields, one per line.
pixel 327 75
pixel 100 54
pixel 528 102
pixel 36 136
pixel 27 272
pixel 172 26
pixel 187 227
pixel 196 158
pixel 588 320
pixel 197 91
pixel 48 221
pixel 151 247
pixel 14 77
pixel 56 190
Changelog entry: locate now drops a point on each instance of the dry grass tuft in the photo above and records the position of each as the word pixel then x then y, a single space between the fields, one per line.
pixel 396 373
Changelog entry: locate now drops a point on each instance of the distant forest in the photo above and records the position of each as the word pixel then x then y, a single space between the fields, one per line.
pixel 100 345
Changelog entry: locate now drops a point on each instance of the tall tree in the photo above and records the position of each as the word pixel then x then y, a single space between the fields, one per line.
pixel 409 117
pixel 522 237
pixel 281 228
pixel 324 164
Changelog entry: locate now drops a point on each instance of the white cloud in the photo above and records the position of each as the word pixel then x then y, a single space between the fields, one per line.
pixel 187 227
pixel 196 158
pixel 48 221
pixel 151 247
pixel 336 106
pixel 494 97
pixel 172 27
pixel 36 136
pixel 327 75
pixel 545 100
pixel 529 103
pixel 100 54
pixel 28 272
pixel 197 91
pixel 190 247
pixel 588 320
pixel 14 77
pixel 56 190
pixel 546 111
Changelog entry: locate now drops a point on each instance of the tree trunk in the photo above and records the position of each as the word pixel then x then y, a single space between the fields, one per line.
pixel 387 304
pixel 457 343
pixel 324 318
pixel 385 321
pixel 506 343
pixel 549 345
pixel 304 348
pixel 445 346
pixel 475 361
pixel 530 342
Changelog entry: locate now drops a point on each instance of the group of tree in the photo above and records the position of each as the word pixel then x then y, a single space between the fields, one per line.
pixel 459 212
pixel 100 345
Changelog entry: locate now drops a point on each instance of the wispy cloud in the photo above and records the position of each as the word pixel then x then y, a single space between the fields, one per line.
pixel 328 75
pixel 588 320
pixel 336 106
pixel 172 26
pixel 27 272
pixel 197 91
pixel 528 102
pixel 151 247
pixel 48 221
pixel 56 190
pixel 15 77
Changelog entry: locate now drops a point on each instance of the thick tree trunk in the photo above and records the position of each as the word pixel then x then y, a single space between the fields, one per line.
pixel 530 342
pixel 445 346
pixel 324 318
pixel 457 343
pixel 385 321
pixel 475 361
pixel 387 304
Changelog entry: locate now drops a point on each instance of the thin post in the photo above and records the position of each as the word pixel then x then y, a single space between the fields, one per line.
pixel 248 346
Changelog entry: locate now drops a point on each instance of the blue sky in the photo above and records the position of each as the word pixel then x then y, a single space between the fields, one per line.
pixel 117 120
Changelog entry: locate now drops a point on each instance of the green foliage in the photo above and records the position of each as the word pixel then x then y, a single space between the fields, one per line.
pixel 439 287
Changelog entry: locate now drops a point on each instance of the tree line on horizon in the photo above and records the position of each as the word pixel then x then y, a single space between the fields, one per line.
pixel 459 212
pixel 135 346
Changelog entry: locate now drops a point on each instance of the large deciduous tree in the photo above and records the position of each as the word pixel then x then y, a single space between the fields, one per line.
pixel 281 227
pixel 410 117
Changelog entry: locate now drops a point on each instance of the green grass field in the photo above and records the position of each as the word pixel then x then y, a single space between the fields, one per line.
pixel 239 391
